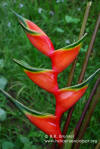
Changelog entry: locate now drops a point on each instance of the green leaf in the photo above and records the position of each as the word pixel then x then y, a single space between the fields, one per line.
pixel 44 17
pixel 60 30
pixel 7 145
pixel 34 147
pixel 77 64
pixel 3 82
pixel 68 141
pixel 3 115
pixel 84 49
pixel 23 139
pixel 1 63
pixel 70 19
pixel 27 146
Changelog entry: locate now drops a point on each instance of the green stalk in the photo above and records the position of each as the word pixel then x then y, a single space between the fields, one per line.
pixel 93 100
pixel 74 64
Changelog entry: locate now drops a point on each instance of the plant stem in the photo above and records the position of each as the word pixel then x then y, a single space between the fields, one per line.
pixel 98 146
pixel 68 121
pixel 93 99
pixel 83 72
pixel 55 146
pixel 74 64
pixel 86 108
pixel 80 80
pixel 86 14
pixel 81 77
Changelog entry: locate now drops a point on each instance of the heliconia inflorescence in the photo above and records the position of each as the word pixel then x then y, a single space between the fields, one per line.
pixel 47 79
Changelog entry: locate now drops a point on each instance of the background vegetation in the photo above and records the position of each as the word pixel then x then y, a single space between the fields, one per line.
pixel 61 20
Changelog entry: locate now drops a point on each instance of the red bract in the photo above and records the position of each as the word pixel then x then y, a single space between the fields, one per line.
pixel 63 57
pixel 36 36
pixel 67 97
pixel 48 123
pixel 45 78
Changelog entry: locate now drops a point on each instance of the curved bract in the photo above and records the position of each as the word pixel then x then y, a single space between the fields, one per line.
pixel 36 36
pixel 67 97
pixel 45 78
pixel 63 57
pixel 48 123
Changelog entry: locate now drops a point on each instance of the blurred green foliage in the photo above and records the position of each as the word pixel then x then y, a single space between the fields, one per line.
pixel 61 20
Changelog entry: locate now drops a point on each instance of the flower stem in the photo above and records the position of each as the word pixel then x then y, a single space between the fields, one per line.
pixel 81 77
pixel 74 64
pixel 88 111
pixel 83 71
pixel 80 35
